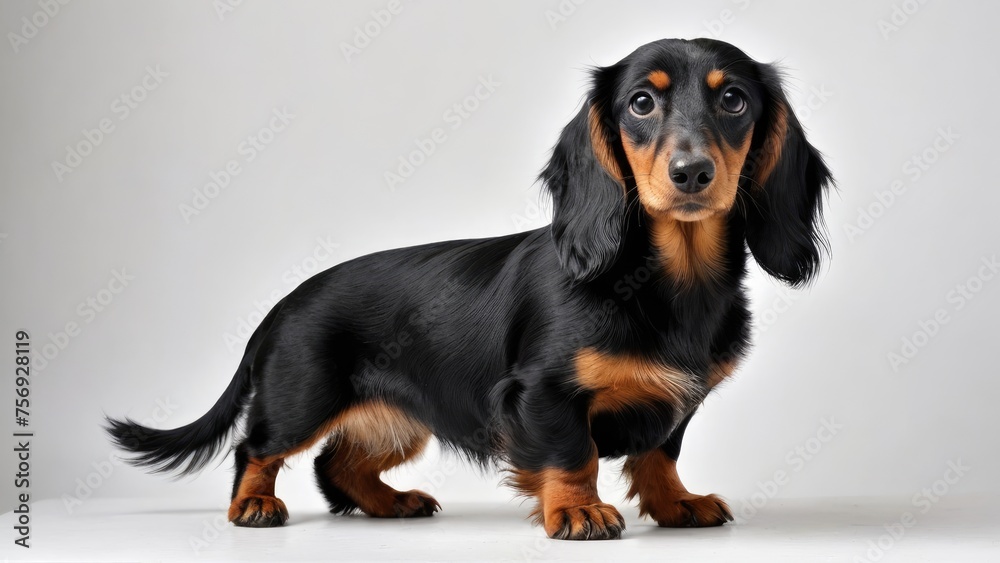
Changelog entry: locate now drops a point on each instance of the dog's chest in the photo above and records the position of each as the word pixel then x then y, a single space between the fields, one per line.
pixel 621 381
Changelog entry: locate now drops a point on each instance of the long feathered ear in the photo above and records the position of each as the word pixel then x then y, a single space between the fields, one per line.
pixel 585 180
pixel 783 229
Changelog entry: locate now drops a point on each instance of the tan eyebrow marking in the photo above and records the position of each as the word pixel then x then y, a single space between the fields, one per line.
pixel 715 78
pixel 660 79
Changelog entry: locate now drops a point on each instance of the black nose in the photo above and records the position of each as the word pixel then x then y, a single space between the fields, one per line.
pixel 691 174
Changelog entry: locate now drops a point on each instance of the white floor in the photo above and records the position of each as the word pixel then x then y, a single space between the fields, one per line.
pixel 957 529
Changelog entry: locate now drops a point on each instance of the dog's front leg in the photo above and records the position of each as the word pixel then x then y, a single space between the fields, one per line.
pixel 663 497
pixel 569 507
pixel 555 461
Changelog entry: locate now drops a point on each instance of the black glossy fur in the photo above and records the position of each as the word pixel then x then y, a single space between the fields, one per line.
pixel 476 338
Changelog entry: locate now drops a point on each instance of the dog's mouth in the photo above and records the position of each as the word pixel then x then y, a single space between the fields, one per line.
pixel 691 209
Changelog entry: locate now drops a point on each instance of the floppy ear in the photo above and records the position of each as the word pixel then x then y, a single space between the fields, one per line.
pixel 783 229
pixel 585 180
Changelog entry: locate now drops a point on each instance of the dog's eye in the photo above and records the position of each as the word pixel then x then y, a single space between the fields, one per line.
pixel 734 100
pixel 642 104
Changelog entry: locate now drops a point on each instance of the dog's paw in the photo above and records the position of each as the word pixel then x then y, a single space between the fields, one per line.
pixel 258 512
pixel 413 504
pixel 598 521
pixel 692 511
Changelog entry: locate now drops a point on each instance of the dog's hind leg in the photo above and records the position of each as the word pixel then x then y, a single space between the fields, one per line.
pixel 258 460
pixel 298 400
pixel 370 438
pixel 253 502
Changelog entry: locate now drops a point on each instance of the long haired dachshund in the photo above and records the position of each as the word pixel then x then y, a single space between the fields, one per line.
pixel 541 351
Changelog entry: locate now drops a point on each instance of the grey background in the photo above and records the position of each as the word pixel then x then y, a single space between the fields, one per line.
pixel 158 350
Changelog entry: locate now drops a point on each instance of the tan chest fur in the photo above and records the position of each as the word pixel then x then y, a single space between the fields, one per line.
pixel 620 381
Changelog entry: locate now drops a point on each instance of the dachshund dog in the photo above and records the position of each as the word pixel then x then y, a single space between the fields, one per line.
pixel 542 351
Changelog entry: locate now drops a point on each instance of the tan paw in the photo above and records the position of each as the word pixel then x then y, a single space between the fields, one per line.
pixel 412 504
pixel 598 521
pixel 258 512
pixel 692 511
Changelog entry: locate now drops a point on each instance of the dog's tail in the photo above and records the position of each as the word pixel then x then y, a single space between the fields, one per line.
pixel 189 448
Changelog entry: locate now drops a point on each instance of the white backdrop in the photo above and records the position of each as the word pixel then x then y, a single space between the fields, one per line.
pixel 139 281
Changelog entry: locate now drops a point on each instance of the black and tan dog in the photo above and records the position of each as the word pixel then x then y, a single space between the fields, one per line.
pixel 541 351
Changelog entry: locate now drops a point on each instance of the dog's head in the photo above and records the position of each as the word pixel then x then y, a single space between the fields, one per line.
pixel 693 130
